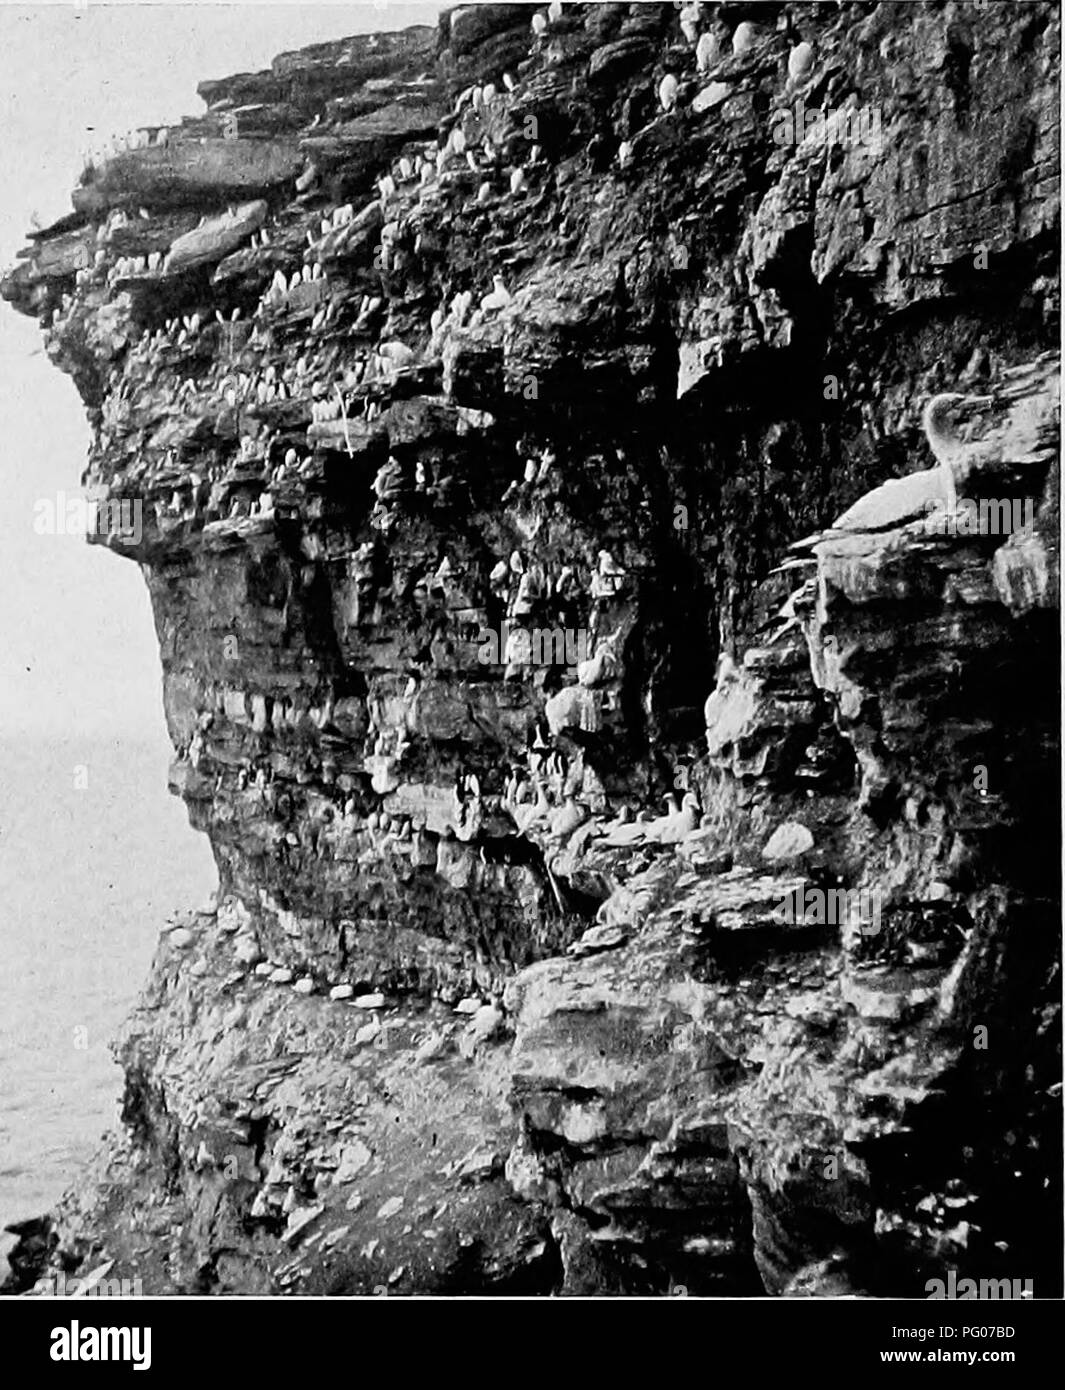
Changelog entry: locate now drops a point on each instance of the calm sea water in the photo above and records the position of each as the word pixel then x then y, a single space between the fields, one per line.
pixel 88 874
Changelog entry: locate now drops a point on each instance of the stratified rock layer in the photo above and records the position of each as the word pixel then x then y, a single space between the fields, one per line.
pixel 463 402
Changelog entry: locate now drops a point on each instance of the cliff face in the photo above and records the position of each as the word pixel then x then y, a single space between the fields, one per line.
pixel 442 566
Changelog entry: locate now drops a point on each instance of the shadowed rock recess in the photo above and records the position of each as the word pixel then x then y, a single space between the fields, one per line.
pixel 465 402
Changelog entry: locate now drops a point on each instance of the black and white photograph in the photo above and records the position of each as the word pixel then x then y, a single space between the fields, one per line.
pixel 530 668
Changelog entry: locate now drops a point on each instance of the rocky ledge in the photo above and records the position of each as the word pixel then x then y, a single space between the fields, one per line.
pixel 614 898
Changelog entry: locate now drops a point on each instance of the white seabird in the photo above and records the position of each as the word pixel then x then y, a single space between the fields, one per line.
pixel 949 450
pixel 747 35
pixel 667 92
pixel 800 61
pixel 902 500
pixel 498 298
pixel 707 51
pixel 689 22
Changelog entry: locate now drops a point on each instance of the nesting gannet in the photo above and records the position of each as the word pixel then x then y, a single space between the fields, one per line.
pixel 517 181
pixel 689 22
pixel 498 298
pixel 539 24
pixel 949 450
pixel 307 178
pixel 678 824
pixel 387 187
pixel 707 51
pixel 406 168
pixel 509 82
pixel 607 565
pixel 460 307
pixel 457 141
pixel 601 667
pixel 554 11
pixel 624 154
pixel 484 192
pixel 747 35
pixel 490 93
pixel 902 500
pixel 800 61
pixel 570 816
pixel 667 92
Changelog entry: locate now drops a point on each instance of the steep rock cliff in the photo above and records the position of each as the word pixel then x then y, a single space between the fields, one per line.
pixel 460 394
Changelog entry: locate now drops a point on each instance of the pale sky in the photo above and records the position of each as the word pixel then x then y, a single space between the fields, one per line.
pixel 77 645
